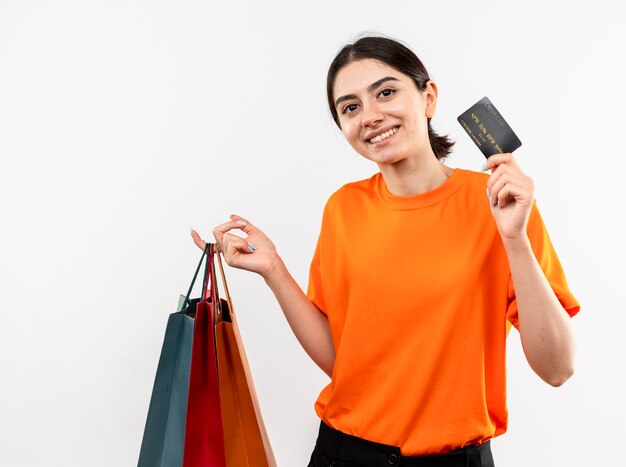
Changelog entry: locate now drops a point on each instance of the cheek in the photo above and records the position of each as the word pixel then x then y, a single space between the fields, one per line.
pixel 351 132
pixel 398 108
pixel 408 115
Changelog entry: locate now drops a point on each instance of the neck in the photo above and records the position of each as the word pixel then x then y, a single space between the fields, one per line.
pixel 410 177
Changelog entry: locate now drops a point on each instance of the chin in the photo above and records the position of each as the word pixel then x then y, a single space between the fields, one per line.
pixel 387 157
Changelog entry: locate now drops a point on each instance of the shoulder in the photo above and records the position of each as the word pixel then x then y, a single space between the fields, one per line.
pixel 351 192
pixel 475 178
pixel 474 185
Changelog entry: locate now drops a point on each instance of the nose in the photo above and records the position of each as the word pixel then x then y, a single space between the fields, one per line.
pixel 371 115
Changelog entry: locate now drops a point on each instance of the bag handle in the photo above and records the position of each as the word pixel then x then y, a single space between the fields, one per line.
pixel 214 292
pixel 187 302
pixel 228 300
pixel 209 276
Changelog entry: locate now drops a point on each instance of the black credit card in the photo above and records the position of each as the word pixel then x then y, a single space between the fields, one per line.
pixel 488 129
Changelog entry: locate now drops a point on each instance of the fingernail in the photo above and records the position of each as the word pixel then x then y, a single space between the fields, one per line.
pixel 251 246
pixel 484 167
pixel 191 232
pixel 488 195
pixel 241 223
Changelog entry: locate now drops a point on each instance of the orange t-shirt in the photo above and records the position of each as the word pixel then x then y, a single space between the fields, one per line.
pixel 419 298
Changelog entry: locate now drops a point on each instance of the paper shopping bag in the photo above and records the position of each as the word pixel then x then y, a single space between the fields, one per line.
pixel 246 440
pixel 204 434
pixel 164 433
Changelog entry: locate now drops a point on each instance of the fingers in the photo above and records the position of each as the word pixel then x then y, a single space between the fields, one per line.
pixel 495 160
pixel 244 223
pixel 510 190
pixel 197 240
pixel 500 177
pixel 220 230
pixel 227 242
pixel 236 222
pixel 507 181
pixel 235 245
pixel 234 248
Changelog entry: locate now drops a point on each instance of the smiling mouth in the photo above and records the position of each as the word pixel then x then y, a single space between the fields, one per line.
pixel 384 136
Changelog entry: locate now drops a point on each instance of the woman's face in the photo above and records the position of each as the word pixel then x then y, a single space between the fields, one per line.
pixel 374 100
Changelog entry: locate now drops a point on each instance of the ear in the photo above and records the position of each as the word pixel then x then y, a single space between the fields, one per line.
pixel 430 94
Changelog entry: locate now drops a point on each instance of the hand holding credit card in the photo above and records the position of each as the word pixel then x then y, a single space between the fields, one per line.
pixel 488 129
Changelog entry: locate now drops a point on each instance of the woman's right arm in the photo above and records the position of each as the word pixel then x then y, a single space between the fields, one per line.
pixel 309 324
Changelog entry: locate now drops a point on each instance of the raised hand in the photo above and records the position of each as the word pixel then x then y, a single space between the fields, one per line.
pixel 511 194
pixel 254 253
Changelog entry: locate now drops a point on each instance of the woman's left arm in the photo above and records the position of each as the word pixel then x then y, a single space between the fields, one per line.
pixel 545 327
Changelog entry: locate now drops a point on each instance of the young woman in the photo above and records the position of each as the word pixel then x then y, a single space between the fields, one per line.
pixel 418 274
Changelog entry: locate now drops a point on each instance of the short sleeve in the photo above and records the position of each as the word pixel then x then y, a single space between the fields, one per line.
pixel 315 291
pixel 550 265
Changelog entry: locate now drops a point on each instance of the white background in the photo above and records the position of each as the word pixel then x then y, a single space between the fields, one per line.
pixel 125 123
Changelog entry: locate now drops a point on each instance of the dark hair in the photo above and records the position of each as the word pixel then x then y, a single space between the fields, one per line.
pixel 396 55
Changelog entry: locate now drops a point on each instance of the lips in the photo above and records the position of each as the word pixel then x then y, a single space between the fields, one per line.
pixel 380 132
pixel 379 140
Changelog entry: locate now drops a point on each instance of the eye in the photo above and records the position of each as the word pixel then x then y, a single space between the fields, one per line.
pixel 391 91
pixel 350 107
pixel 344 110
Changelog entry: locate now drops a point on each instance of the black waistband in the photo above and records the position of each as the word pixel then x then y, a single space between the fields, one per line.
pixel 342 446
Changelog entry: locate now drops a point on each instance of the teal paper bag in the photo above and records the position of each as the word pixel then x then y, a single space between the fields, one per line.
pixel 164 434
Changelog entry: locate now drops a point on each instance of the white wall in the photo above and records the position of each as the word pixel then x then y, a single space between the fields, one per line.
pixel 123 124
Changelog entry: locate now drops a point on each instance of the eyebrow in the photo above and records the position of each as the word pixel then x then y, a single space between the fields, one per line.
pixel 370 88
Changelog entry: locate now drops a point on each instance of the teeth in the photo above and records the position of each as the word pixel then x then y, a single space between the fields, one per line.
pixel 386 134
